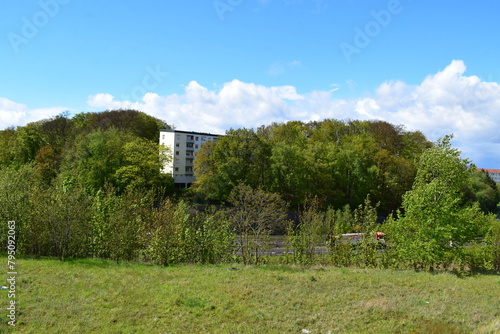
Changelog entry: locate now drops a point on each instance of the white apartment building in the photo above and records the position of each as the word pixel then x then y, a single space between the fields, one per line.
pixel 184 145
pixel 493 173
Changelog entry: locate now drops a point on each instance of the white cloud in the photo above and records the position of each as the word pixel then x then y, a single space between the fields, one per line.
pixel 14 114
pixel 236 104
pixel 444 103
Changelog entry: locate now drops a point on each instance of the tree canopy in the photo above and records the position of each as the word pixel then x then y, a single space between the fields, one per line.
pixel 340 162
pixel 92 185
pixel 437 221
pixel 118 147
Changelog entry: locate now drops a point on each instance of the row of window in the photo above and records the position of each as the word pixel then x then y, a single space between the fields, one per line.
pixel 188 145
pixel 195 138
pixel 187 169
pixel 189 161
pixel 188 153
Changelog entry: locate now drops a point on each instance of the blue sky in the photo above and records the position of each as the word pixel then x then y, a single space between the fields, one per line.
pixel 215 64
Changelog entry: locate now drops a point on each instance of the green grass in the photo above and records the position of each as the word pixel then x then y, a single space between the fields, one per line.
pixel 95 296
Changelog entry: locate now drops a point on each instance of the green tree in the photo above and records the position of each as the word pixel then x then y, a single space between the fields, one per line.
pixel 16 186
pixel 493 241
pixel 365 217
pixel 30 141
pixel 344 220
pixel 46 164
pixel 254 215
pixel 56 131
pixel 206 169
pixel 163 235
pixel 105 202
pixel 132 121
pixel 95 158
pixel 355 168
pixel 339 162
pixel 315 229
pixel 290 171
pixel 484 190
pixel 58 222
pixel 395 176
pixel 142 164
pixel 240 156
pixel 178 234
pixel 10 148
pixel 209 239
pixel 436 222
pixel 126 224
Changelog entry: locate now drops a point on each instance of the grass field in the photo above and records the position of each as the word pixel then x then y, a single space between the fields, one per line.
pixel 94 296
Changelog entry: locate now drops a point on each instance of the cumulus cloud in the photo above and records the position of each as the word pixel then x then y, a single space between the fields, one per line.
pixel 14 114
pixel 445 102
pixel 236 104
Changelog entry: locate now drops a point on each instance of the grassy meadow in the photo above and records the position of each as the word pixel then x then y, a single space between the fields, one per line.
pixel 97 296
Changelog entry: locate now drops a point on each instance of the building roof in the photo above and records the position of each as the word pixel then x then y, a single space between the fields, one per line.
pixel 190 132
pixel 490 171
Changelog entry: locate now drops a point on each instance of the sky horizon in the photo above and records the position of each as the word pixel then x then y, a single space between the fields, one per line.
pixel 218 64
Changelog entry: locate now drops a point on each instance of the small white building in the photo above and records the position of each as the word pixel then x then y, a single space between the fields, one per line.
pixel 184 145
pixel 493 173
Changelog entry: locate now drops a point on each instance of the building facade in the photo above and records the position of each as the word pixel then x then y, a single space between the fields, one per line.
pixel 493 173
pixel 184 145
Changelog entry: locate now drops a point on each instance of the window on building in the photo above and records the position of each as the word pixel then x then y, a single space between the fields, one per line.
pixel 176 169
pixel 177 145
pixel 197 138
pixel 176 152
pixel 196 146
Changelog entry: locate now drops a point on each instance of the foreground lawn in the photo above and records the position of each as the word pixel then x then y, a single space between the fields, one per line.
pixel 93 296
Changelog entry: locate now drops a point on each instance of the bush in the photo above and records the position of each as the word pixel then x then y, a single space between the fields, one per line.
pixel 493 240
pixel 342 254
pixel 478 257
pixel 177 235
pixel 312 231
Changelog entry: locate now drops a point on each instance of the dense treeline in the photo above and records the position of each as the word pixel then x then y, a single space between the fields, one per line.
pixel 53 174
pixel 339 162
pixel 91 186
pixel 90 149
